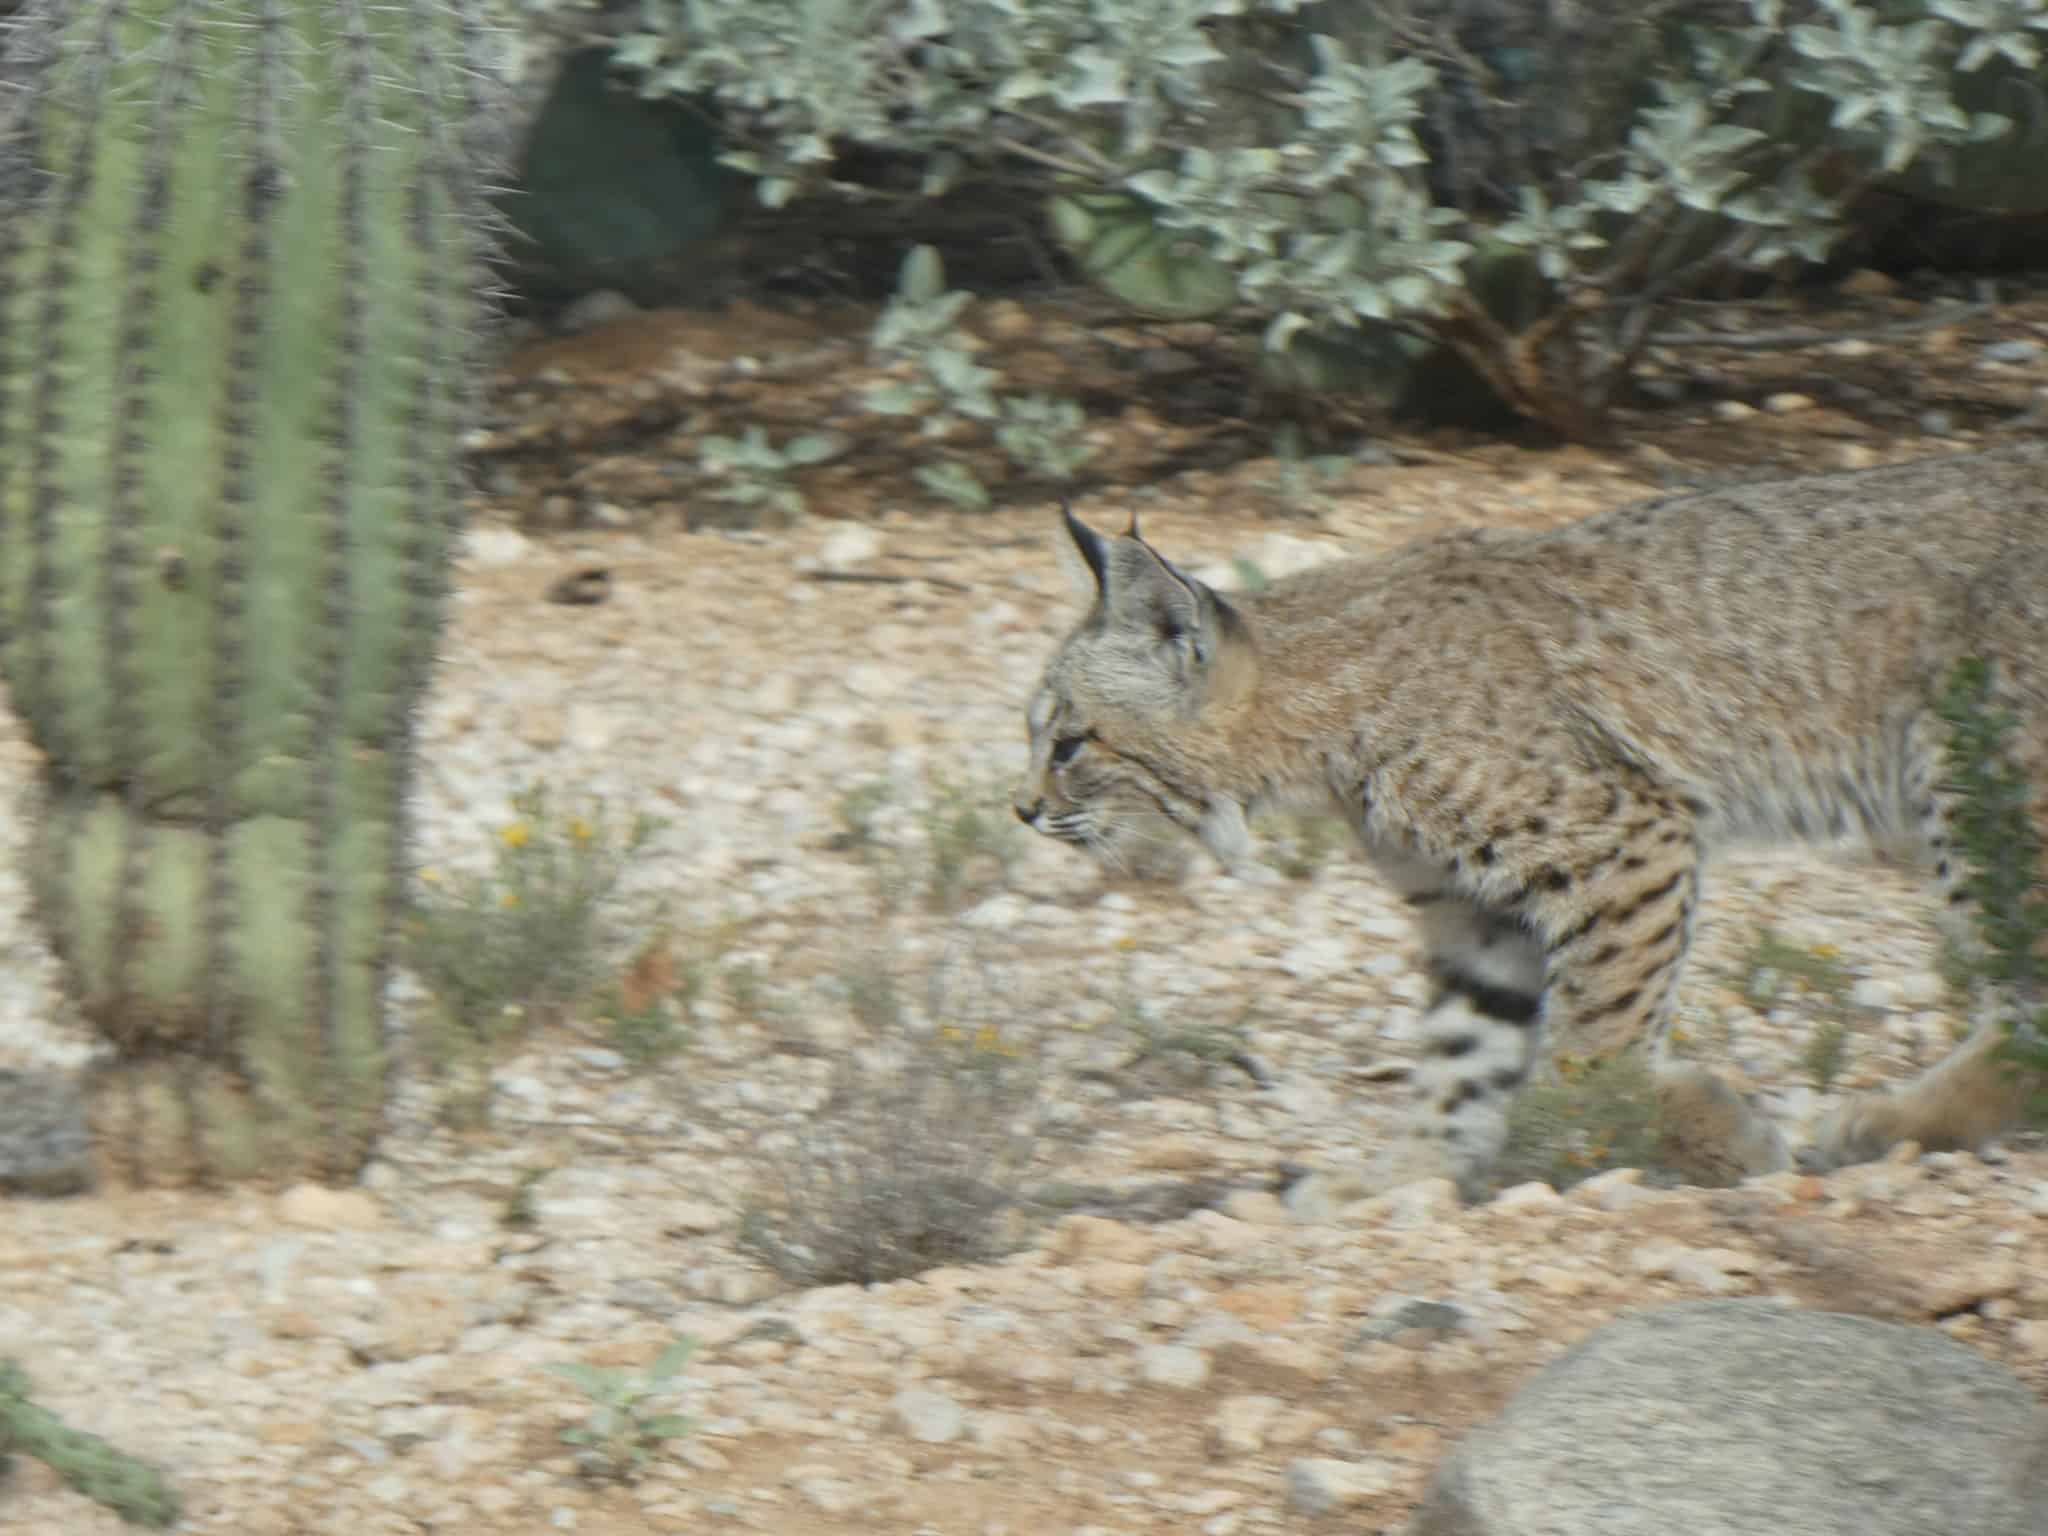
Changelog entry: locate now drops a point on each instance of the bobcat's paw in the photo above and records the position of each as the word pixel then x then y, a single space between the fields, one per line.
pixel 1860 1131
pixel 1711 1134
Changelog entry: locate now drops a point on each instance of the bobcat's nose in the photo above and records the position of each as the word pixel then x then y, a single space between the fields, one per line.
pixel 1029 814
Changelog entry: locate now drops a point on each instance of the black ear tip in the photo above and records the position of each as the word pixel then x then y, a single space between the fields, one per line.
pixel 1086 539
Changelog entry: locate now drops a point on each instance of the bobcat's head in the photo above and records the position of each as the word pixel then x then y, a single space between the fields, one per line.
pixel 1132 720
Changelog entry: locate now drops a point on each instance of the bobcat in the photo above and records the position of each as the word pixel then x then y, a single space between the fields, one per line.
pixel 1540 738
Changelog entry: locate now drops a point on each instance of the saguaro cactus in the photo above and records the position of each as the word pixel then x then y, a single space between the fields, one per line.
pixel 241 249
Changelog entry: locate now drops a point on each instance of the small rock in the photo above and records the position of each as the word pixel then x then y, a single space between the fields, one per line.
pixel 1322 1485
pixel 599 308
pixel 1114 1277
pixel 931 1418
pixel 1172 1365
pixel 1312 959
pixel 1533 1196
pixel 1868 283
pixel 695 1216
pixel 1238 1426
pixel 776 695
pixel 1396 1315
pixel 1937 423
pixel 1732 410
pixel 1614 1190
pixel 493 546
pixel 1420 1204
pixel 866 680
pixel 45 1137
pixel 1875 992
pixel 2018 350
pixel 1949 1291
pixel 850 544
pixel 1788 403
pixel 329 1210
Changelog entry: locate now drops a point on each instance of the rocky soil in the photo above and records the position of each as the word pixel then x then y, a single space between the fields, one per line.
pixel 373 1359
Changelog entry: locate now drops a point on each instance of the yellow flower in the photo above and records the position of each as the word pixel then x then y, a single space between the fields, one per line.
pixel 952 1032
pixel 430 877
pixel 1825 952
pixel 516 835
pixel 580 830
pixel 987 1038
pixel 509 899
pixel 1127 943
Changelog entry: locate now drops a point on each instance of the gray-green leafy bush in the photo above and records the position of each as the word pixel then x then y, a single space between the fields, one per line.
pixel 937 379
pixel 752 472
pixel 1527 185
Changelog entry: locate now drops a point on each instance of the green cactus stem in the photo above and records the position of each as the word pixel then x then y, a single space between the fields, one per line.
pixel 241 281
pixel 134 1490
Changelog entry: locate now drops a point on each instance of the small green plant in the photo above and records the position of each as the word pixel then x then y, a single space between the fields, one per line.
pixel 746 988
pixel 1204 1044
pixel 872 993
pixel 753 473
pixel 521 942
pixel 1827 1048
pixel 1299 480
pixel 940 382
pixel 970 840
pixel 916 1160
pixel 952 481
pixel 1594 1114
pixel 857 811
pixel 134 1490
pixel 646 1012
pixel 621 1434
pixel 2002 847
pixel 1044 436
pixel 1774 965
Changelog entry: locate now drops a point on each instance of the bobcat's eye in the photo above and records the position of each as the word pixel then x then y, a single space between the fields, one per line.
pixel 1063 750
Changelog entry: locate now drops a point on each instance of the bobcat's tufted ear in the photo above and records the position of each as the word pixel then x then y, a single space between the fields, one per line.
pixel 1196 636
pixel 1083 554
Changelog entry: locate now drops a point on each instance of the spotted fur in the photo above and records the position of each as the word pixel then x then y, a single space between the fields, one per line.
pixel 1540 740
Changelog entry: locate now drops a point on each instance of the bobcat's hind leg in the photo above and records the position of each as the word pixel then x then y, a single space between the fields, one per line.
pixel 1620 920
pixel 1974 1094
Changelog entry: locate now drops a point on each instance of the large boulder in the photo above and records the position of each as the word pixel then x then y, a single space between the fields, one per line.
pixel 1730 1418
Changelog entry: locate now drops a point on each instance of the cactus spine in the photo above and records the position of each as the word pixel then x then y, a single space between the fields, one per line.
pixel 241 262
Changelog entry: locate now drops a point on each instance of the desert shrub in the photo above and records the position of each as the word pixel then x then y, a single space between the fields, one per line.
pixel 916 1160
pixel 1524 185
pixel 523 939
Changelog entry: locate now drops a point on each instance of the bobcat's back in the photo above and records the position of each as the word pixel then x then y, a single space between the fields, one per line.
pixel 1763 650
